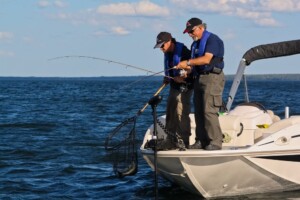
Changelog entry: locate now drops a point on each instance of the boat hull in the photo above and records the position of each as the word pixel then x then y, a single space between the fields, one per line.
pixel 227 173
pixel 252 160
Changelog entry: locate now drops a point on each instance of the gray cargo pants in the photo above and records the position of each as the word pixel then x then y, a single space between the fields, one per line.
pixel 208 89
pixel 177 113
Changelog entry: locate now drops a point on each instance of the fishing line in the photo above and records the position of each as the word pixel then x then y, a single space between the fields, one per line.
pixel 122 64
pixel 112 61
pixel 119 63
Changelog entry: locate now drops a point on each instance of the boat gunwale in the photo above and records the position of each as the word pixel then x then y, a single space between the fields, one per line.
pixel 219 153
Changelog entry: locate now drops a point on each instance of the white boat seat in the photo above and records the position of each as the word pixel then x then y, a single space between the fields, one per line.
pixel 240 125
pixel 274 117
pixel 277 126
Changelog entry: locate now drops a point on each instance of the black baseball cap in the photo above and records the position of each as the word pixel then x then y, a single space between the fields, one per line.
pixel 162 38
pixel 191 24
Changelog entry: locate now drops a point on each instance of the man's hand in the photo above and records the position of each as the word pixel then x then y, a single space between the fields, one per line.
pixel 166 80
pixel 183 65
pixel 185 73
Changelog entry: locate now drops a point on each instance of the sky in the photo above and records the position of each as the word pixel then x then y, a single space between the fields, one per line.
pixel 32 32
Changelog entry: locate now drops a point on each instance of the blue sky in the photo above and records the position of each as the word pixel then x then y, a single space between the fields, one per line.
pixel 33 31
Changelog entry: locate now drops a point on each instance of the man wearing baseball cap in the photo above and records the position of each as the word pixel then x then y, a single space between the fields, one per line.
pixel 178 104
pixel 206 64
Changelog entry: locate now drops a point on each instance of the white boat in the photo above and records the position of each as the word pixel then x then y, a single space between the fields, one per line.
pixel 260 153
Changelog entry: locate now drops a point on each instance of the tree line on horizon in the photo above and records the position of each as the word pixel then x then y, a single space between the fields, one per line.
pixel 255 77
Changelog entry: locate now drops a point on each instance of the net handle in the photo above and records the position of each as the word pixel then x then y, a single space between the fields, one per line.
pixel 155 94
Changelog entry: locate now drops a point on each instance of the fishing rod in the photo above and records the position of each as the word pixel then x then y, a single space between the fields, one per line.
pixel 112 61
pixel 119 63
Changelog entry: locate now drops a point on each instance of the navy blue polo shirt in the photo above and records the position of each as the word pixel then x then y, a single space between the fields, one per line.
pixel 215 46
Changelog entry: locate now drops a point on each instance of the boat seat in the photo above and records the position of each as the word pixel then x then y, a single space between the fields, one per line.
pixel 274 117
pixel 240 125
pixel 230 126
pixel 230 122
pixel 277 126
pixel 260 130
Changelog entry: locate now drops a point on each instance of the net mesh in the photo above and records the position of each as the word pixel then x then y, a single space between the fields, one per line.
pixel 121 145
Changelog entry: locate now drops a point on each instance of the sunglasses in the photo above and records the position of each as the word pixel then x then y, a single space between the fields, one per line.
pixel 162 46
pixel 192 31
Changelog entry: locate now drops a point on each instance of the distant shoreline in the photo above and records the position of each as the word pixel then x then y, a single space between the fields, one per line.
pixel 260 77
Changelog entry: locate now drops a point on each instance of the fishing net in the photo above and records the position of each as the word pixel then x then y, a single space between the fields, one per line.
pixel 121 145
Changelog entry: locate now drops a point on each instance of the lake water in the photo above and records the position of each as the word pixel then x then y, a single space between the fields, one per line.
pixel 52 133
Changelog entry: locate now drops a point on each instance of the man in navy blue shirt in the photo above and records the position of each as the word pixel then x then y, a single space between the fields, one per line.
pixel 178 105
pixel 207 65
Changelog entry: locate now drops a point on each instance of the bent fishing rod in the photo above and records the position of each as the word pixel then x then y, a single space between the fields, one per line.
pixel 116 62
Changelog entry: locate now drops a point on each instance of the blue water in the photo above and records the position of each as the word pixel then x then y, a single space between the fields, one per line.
pixel 52 133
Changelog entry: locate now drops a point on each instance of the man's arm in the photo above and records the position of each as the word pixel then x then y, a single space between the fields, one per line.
pixel 188 64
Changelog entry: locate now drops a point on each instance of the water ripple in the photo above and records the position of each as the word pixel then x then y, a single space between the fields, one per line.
pixel 52 134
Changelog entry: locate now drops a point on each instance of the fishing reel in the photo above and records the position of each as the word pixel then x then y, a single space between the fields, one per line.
pixel 183 88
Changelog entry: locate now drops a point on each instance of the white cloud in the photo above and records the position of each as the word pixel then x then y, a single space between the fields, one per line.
pixel 280 5
pixel 6 35
pixel 258 11
pixel 267 22
pixel 117 9
pixel 75 19
pixel 260 18
pixel 86 17
pixel 142 8
pixel 43 4
pixel 63 16
pixel 220 6
pixel 93 21
pixel 99 33
pixel 27 39
pixel 59 4
pixel 118 30
pixel 229 34
pixel 6 53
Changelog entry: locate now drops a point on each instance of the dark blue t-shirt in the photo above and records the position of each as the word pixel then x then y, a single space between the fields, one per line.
pixel 215 46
